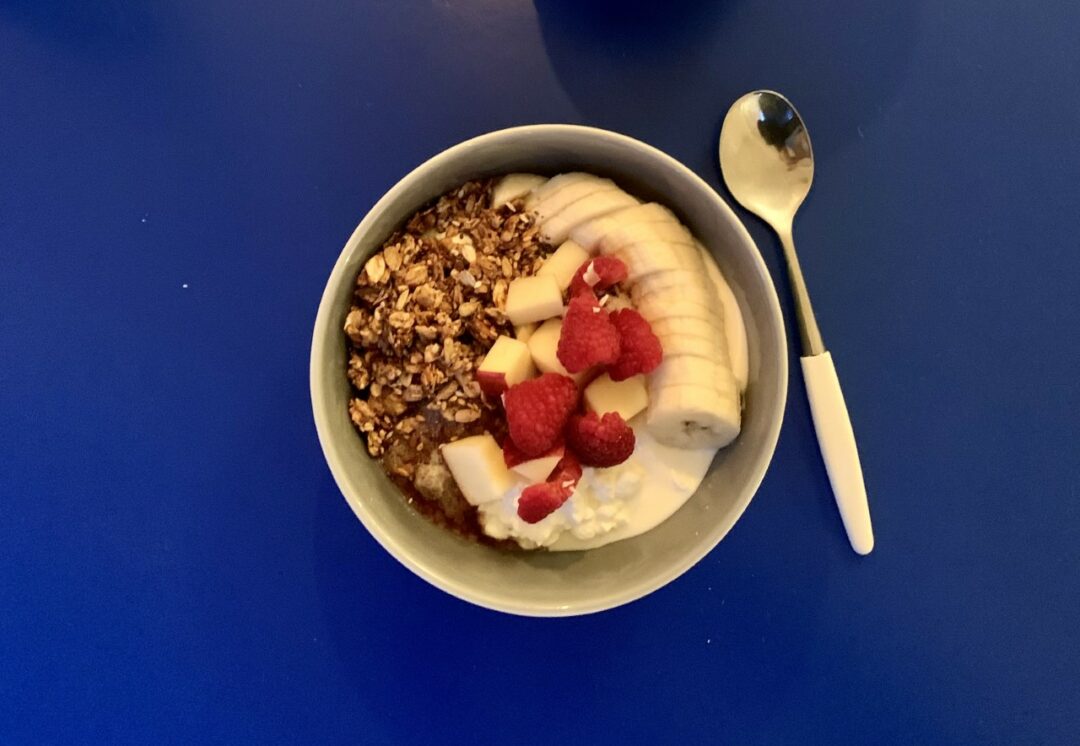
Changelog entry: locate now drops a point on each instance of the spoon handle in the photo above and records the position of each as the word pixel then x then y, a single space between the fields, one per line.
pixel 808 328
pixel 837 442
pixel 831 421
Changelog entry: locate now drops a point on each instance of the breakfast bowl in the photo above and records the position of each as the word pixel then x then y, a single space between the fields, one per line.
pixel 558 583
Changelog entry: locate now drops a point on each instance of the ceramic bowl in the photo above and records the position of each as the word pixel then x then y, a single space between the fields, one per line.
pixel 558 583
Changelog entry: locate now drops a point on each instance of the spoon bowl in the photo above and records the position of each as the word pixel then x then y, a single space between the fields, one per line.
pixel 766 157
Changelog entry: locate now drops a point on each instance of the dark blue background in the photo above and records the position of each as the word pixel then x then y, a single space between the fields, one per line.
pixel 176 564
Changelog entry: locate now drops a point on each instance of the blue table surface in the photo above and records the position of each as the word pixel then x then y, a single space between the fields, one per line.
pixel 176 563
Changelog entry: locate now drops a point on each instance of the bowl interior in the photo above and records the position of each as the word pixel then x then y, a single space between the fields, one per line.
pixel 542 583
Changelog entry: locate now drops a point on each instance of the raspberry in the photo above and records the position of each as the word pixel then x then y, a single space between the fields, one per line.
pixel 538 501
pixel 600 441
pixel 537 410
pixel 610 270
pixel 512 455
pixel 639 349
pixel 587 337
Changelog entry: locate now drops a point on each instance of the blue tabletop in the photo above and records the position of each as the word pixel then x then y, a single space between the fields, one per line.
pixel 176 564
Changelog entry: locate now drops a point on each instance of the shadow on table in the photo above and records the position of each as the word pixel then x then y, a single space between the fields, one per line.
pixel 644 67
pixel 629 63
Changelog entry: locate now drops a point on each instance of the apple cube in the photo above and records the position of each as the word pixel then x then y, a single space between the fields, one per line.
pixel 564 263
pixel 478 468
pixel 535 298
pixel 544 346
pixel 628 397
pixel 506 363
pixel 525 331
pixel 538 469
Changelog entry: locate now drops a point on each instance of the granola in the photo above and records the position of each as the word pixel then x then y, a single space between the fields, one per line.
pixel 425 310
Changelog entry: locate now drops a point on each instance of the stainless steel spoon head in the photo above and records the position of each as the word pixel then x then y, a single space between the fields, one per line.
pixel 765 156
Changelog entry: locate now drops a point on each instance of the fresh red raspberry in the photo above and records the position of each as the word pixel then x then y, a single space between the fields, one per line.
pixel 512 455
pixel 610 269
pixel 600 441
pixel 538 501
pixel 537 410
pixel 588 337
pixel 639 349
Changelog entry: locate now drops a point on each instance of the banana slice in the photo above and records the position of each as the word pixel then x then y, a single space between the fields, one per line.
pixel 650 256
pixel 556 228
pixel 557 183
pixel 734 328
pixel 564 198
pixel 686 370
pixel 644 259
pixel 512 186
pixel 563 190
pixel 656 308
pixel 629 235
pixel 695 370
pixel 650 212
pixel 591 233
pixel 703 328
pixel 701 336
pixel 676 278
pixel 691 416
pixel 708 347
pixel 689 289
pixel 670 307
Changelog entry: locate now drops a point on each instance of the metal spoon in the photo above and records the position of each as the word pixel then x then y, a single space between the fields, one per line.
pixel 768 165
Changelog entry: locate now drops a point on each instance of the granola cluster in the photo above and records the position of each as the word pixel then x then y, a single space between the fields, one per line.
pixel 425 310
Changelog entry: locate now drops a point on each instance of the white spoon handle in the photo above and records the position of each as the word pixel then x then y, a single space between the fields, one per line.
pixel 837 441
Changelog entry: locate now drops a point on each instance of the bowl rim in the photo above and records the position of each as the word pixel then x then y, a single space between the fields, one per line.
pixel 327 312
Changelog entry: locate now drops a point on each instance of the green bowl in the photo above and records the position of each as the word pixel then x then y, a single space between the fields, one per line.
pixel 558 583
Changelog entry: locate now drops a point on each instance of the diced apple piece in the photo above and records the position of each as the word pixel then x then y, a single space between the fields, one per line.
pixel 533 299
pixel 564 263
pixel 537 469
pixel 478 468
pixel 544 346
pixel 525 331
pixel 512 186
pixel 506 363
pixel 628 397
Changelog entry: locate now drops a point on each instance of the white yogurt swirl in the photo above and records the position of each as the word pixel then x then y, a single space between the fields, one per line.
pixel 608 504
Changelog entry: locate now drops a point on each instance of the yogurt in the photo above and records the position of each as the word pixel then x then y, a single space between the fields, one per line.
pixel 608 504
